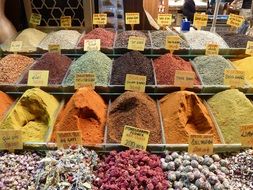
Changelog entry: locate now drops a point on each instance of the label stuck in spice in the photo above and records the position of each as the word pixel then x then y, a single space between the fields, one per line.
pixel 136 43
pixel 164 19
pixel 54 48
pixel 35 19
pixel 16 46
pixel 184 79
pixel 200 20
pixel 172 43
pixel 234 78
pixel 66 139
pixel 66 21
pixel 100 19
pixel 135 83
pixel 11 140
pixel 212 49
pixel 132 18
pixel 135 138
pixel 38 78
pixel 200 144
pixel 235 20
pixel 92 45
pixel 85 80
pixel 247 135
pixel 249 48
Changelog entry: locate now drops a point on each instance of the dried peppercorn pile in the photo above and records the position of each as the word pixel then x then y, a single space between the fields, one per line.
pixel 235 40
pixel 166 66
pixel 131 63
pixel 57 65
pixel 131 169
pixel 137 110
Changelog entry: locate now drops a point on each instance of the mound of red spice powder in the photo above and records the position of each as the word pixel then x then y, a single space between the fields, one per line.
pixel 166 66
pixel 131 169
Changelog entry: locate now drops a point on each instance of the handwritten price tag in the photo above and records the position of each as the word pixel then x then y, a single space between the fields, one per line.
pixel 235 20
pixel 99 19
pixel 54 48
pixel 164 19
pixel 68 138
pixel 35 19
pixel 247 135
pixel 200 144
pixel 172 43
pixel 135 138
pixel 66 22
pixel 136 43
pixel 11 140
pixel 249 48
pixel 212 49
pixel 38 78
pixel 135 83
pixel 200 20
pixel 85 79
pixel 132 18
pixel 184 79
pixel 16 46
pixel 92 45
pixel 234 78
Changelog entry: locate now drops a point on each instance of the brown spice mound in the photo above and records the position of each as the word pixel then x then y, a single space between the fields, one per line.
pixel 137 110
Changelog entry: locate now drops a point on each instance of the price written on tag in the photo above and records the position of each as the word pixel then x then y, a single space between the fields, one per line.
pixel 35 19
pixel 164 19
pixel 200 144
pixel 99 19
pixel 16 46
pixel 234 78
pixel 136 43
pixel 212 49
pixel 85 80
pixel 249 48
pixel 132 18
pixel 38 78
pixel 92 45
pixel 135 83
pixel 54 48
pixel 172 43
pixel 11 140
pixel 200 20
pixel 66 139
pixel 235 20
pixel 135 138
pixel 184 79
pixel 247 135
pixel 66 21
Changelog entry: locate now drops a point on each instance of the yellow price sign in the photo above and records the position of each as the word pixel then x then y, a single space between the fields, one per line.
pixel 200 144
pixel 234 78
pixel 172 43
pixel 54 48
pixel 135 138
pixel 136 43
pixel 235 20
pixel 212 49
pixel 65 139
pixel 164 19
pixel 200 20
pixel 247 135
pixel 132 18
pixel 16 46
pixel 66 21
pixel 100 19
pixel 249 48
pixel 135 83
pixel 35 19
pixel 92 45
pixel 184 79
pixel 38 78
pixel 11 140
pixel 85 80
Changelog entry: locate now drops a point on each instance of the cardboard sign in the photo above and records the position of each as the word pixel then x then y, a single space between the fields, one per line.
pixel 212 49
pixel 164 19
pixel 184 79
pixel 35 19
pixel 38 78
pixel 200 144
pixel 16 46
pixel 247 135
pixel 92 45
pixel 135 138
pixel 66 21
pixel 66 139
pixel 54 48
pixel 11 140
pixel 136 43
pixel 99 19
pixel 234 78
pixel 135 83
pixel 85 80
pixel 200 20
pixel 249 48
pixel 172 43
pixel 235 20
pixel 132 18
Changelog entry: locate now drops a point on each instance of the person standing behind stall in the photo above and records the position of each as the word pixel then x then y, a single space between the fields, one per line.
pixel 189 9
pixel 245 8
